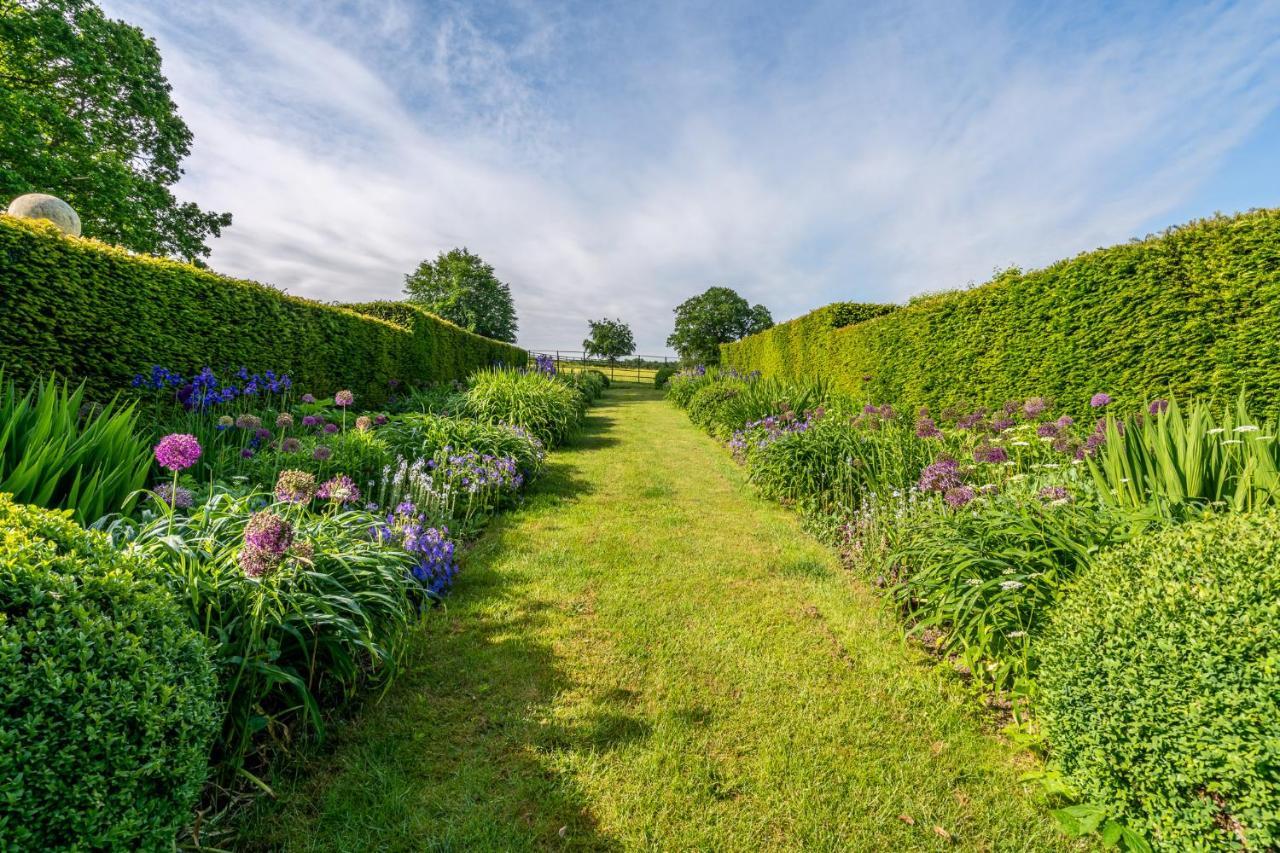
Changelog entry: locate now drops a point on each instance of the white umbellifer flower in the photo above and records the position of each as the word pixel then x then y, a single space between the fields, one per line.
pixel 1245 428
pixel 973 581
pixel 1013 635
pixel 1008 586
pixel 1020 444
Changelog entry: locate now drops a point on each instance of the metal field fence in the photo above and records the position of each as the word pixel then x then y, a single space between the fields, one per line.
pixel 633 369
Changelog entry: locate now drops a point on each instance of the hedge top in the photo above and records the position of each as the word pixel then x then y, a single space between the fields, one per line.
pixel 97 312
pixel 1192 311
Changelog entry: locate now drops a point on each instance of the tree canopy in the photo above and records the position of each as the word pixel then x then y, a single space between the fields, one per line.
pixel 609 339
pixel 463 289
pixel 716 316
pixel 85 115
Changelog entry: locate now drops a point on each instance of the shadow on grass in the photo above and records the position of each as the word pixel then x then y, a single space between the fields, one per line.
pixel 457 754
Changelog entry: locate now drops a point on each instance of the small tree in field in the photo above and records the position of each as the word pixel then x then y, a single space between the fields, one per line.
pixel 463 289
pixel 609 339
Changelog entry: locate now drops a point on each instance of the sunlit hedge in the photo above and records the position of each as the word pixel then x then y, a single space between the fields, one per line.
pixel 1193 311
pixel 101 314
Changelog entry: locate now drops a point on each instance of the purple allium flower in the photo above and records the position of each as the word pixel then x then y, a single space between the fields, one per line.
pixel 290 445
pixel 1099 400
pixel 990 453
pixel 364 423
pixel 284 421
pixel 181 497
pixel 330 429
pixel 257 562
pixel 1049 494
pixel 1035 407
pixel 262 434
pixel 268 531
pixel 321 453
pixel 958 496
pixel 1010 407
pixel 310 420
pixel 308 398
pixel 1158 407
pixel 971 420
pixel 343 398
pixel 380 420
pixel 1093 442
pixel 1047 430
pixel 1065 421
pixel 246 453
pixel 341 489
pixel 177 451
pixel 295 487
pixel 926 428
pixel 1002 423
pixel 940 476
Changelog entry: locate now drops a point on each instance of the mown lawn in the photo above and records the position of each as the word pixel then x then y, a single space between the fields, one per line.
pixel 647 657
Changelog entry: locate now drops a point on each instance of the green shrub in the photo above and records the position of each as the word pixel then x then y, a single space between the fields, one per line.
pixel 662 375
pixel 1160 682
pixel 56 453
pixel 684 384
pixel 85 309
pixel 423 436
pixel 1194 311
pixel 544 405
pixel 107 696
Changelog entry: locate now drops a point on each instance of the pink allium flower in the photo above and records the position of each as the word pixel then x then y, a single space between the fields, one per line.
pixel 364 422
pixel 959 496
pixel 380 420
pixel 343 398
pixel 284 420
pixel 177 451
pixel 1034 407
pixel 1099 400
pixel 341 489
pixel 308 398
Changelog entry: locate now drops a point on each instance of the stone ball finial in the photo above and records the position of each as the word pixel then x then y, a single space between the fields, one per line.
pixel 52 208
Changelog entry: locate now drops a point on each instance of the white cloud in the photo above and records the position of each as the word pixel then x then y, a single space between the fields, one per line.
pixel 616 167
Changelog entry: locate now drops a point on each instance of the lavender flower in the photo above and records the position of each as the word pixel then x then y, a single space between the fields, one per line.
pixel 177 451
pixel 1099 400
pixel 295 487
pixel 343 398
pixel 1065 421
pixel 341 489
pixel 972 420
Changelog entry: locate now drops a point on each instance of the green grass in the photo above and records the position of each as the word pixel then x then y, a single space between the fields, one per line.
pixel 645 656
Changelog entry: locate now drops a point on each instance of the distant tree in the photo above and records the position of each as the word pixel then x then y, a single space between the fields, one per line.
pixel 462 288
pixel 85 115
pixel 717 316
pixel 609 339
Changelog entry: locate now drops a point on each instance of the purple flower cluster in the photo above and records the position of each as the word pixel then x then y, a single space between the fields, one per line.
pixel 1099 400
pixel 474 472
pixel 774 427
pixel 171 496
pixel 990 453
pixel 343 398
pixel 267 539
pixel 295 487
pixel 940 476
pixel 1054 494
pixel 544 364
pixel 177 451
pixel 205 389
pixel 435 565
pixel 958 496
pixel 341 490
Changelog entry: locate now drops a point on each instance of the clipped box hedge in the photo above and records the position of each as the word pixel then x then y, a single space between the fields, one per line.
pixel 1192 311
pixel 98 313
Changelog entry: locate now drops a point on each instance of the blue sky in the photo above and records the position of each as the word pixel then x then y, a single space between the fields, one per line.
pixel 612 159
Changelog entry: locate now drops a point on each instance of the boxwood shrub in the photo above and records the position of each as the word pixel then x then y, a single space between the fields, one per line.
pixel 1161 677
pixel 1194 311
pixel 107 707
pixel 98 313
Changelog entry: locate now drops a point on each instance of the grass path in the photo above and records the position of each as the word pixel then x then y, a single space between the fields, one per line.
pixel 645 656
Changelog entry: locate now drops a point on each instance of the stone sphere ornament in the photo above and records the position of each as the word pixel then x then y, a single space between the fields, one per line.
pixel 52 208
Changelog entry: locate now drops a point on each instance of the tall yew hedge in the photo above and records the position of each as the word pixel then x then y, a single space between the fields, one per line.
pixel 100 314
pixel 1192 311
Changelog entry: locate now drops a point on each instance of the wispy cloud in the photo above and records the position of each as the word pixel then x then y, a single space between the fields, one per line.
pixel 617 159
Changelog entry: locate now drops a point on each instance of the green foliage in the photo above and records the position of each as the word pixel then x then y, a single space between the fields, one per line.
pixel 714 317
pixel 1159 682
pixel 544 405
pixel 662 375
pixel 423 436
pixel 85 114
pixel 292 643
pixel 609 339
pixel 55 452
pixel 1191 312
pixel 728 403
pixel 1176 463
pixel 100 314
pixel 589 383
pixel 107 697
pixel 463 289
pixel 684 384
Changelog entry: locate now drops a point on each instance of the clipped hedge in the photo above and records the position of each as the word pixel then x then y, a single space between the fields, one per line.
pixel 1194 311
pixel 107 696
pixel 1160 678
pixel 101 314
